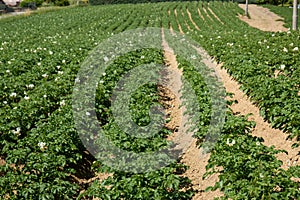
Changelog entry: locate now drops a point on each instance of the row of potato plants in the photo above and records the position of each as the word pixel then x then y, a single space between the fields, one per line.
pixel 39 143
pixel 252 56
pixel 38 67
pixel 247 169
pixel 235 44
pixel 270 59
pixel 39 64
pixel 164 183
pixel 237 149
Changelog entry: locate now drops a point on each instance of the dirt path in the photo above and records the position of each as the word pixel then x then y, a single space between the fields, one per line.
pixel 192 156
pixel 263 129
pixel 263 19
pixel 206 13
pixel 170 95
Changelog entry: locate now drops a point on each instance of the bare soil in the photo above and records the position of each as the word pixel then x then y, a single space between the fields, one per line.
pixel 200 14
pixel 263 19
pixel 170 95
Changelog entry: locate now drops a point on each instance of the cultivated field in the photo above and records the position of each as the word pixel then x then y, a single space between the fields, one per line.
pixel 43 156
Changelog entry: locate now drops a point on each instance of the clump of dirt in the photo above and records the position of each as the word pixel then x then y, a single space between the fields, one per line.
pixel 171 105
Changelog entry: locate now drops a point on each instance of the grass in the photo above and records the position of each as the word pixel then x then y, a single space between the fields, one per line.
pixel 28 12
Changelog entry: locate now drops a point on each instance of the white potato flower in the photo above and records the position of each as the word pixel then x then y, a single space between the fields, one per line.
pixel 230 143
pixel 13 94
pixel 30 86
pixel 17 131
pixel 42 145
pixel 62 103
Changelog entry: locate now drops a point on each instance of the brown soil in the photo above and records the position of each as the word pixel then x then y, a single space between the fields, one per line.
pixel 171 29
pixel 185 22
pixel 84 175
pixel 187 25
pixel 263 19
pixel 2 162
pixel 197 163
pixel 170 96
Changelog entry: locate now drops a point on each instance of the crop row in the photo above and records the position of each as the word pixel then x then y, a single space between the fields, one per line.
pixel 39 143
pixel 266 66
pixel 235 148
pixel 252 57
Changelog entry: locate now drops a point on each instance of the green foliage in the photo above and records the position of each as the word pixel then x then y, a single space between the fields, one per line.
pixel 28 3
pixel 58 2
pixel 38 66
pixel 161 184
pixel 39 144
pixel 251 57
pixel 61 3
pixel 261 176
pixel 103 2
pixel 271 2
